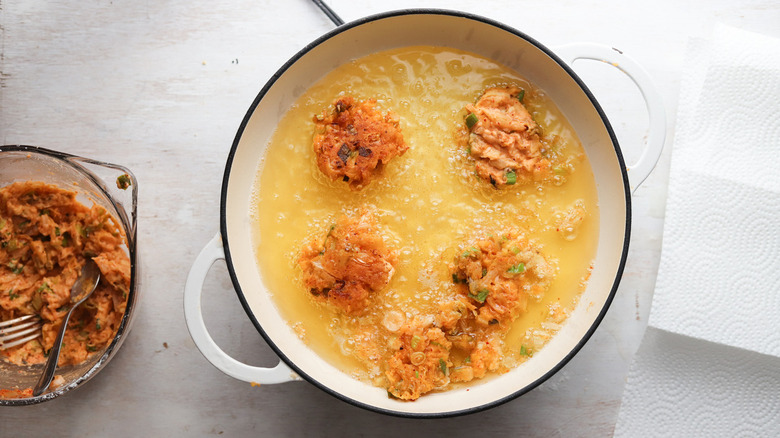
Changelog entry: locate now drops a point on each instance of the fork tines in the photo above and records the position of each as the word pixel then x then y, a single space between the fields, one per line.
pixel 20 330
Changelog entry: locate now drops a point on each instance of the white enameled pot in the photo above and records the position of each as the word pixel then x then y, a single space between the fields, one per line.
pixel 547 69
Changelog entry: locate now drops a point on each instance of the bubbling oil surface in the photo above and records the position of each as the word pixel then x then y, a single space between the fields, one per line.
pixel 429 199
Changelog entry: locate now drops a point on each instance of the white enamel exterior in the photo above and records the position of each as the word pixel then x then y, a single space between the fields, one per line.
pixel 193 315
pixel 363 38
pixel 656 133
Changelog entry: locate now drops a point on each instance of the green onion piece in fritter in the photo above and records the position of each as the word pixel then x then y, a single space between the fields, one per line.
pixel 415 341
pixel 471 120
pixel 470 252
pixel 511 177
pixel 325 242
pixel 443 366
pixel 481 295
pixel 523 350
pixel 517 269
pixel 521 95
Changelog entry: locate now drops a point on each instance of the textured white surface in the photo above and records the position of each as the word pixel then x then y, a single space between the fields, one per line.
pixel 161 87
pixel 717 278
pixel 718 286
pixel 687 387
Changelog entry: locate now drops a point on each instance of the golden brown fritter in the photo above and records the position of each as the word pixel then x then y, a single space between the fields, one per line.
pixel 348 264
pixel 486 356
pixel 476 348
pixel 354 141
pixel 419 360
pixel 505 140
pixel 430 353
pixel 499 274
pixel 463 339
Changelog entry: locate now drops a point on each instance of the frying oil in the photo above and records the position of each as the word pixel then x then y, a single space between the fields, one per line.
pixel 429 199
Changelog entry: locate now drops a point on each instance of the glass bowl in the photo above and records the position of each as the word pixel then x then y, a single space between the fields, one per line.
pixel 94 182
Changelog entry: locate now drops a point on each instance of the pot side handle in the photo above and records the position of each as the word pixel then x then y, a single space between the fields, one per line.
pixel 193 315
pixel 656 135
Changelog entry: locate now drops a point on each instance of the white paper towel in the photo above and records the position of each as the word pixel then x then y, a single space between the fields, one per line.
pixel 685 387
pixel 710 359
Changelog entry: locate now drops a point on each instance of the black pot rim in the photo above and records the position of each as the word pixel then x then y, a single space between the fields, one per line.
pixel 272 81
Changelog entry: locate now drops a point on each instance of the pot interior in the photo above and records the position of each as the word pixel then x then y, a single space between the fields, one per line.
pixel 459 31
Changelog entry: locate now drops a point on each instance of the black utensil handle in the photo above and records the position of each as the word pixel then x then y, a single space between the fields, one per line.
pixel 329 12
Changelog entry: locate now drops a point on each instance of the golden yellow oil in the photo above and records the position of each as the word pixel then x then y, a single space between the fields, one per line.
pixel 429 198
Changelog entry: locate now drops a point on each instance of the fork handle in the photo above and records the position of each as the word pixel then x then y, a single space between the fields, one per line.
pixel 54 356
pixel 193 315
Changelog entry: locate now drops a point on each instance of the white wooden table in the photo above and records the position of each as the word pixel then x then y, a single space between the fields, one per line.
pixel 161 86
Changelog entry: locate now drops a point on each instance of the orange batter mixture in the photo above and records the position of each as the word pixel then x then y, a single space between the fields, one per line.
pixel 46 236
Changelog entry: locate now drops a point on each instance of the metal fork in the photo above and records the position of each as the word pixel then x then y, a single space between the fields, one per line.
pixel 20 330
